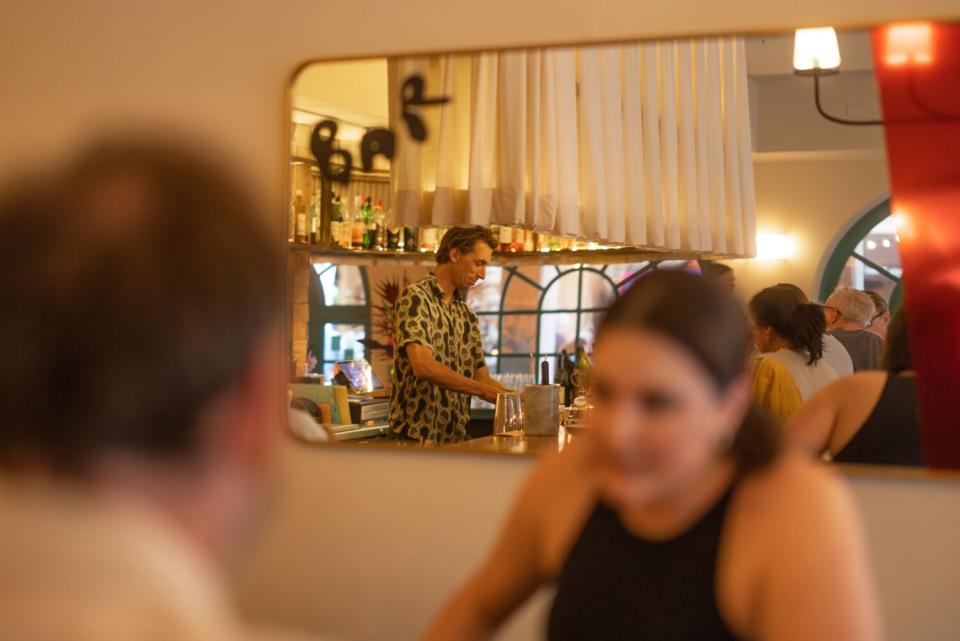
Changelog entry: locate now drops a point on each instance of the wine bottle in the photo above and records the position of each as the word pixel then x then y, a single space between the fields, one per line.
pixel 581 374
pixel 367 219
pixel 300 208
pixel 358 225
pixel 336 223
pixel 315 220
pixel 411 240
pixel 380 218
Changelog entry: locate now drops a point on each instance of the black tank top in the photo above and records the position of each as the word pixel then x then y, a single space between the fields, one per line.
pixel 891 434
pixel 617 586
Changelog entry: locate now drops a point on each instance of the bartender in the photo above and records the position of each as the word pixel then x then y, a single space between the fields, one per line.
pixel 438 358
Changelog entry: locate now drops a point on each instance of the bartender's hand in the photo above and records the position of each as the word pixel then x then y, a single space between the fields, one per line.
pixel 490 394
pixel 483 375
pixel 426 367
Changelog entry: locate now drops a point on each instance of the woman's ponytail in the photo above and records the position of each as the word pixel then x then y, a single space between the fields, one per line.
pixel 808 328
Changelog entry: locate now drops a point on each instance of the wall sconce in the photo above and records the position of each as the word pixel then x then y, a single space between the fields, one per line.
pixel 775 246
pixel 816 53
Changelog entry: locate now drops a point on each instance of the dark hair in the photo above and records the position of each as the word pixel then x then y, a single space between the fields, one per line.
pixel 709 323
pixel 896 354
pixel 802 324
pixel 715 270
pixel 136 285
pixel 800 295
pixel 464 239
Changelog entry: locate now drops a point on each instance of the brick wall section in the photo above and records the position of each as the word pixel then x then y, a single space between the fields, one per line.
pixel 298 279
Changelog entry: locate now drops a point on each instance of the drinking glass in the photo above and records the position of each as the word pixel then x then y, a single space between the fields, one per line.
pixel 508 418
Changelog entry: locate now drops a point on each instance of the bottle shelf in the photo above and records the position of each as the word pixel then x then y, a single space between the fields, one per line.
pixel 561 257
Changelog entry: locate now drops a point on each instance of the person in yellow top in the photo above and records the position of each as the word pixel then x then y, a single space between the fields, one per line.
pixel 774 389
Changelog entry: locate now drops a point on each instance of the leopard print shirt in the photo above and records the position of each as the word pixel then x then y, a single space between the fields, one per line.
pixel 421 410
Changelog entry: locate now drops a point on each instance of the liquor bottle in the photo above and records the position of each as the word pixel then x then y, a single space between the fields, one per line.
pixel 504 238
pixel 292 224
pixel 516 245
pixel 336 223
pixel 529 242
pixel 394 238
pixel 300 207
pixel 380 226
pixel 554 243
pixel 370 229
pixel 411 240
pixel 581 373
pixel 358 225
pixel 428 239
pixel 315 221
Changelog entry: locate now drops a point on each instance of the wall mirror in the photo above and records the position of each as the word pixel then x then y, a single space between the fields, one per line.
pixel 592 166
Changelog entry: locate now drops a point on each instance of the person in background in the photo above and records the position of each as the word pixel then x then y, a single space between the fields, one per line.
pixel 789 333
pixel 141 394
pixel 438 361
pixel 881 314
pixel 834 353
pixel 721 274
pixel 676 516
pixel 870 417
pixel 847 312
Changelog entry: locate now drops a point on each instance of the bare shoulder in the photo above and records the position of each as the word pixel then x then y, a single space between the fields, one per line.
pixel 794 530
pixel 794 487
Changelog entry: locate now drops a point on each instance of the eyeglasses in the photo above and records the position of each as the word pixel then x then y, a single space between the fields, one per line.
pixel 876 316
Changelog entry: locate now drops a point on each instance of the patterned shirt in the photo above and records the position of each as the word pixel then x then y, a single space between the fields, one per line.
pixel 420 409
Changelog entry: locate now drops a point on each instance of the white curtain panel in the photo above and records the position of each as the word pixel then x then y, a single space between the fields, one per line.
pixel 643 144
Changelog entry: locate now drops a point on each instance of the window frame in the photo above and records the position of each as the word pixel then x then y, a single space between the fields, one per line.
pixel 846 248
pixel 540 312
pixel 320 313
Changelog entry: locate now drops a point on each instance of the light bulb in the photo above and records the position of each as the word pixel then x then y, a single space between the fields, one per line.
pixel 816 49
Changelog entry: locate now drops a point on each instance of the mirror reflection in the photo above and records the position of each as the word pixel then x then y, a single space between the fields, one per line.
pixel 459 225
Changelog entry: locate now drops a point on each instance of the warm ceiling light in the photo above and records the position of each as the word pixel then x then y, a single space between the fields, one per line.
pixel 909 43
pixel 816 50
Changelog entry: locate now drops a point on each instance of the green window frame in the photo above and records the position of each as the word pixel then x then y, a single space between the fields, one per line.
pixel 513 273
pixel 846 249
pixel 321 314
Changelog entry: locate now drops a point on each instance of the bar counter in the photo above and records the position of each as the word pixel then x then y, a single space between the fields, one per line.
pixel 515 443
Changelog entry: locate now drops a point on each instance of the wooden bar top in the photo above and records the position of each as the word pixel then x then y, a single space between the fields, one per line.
pixel 514 443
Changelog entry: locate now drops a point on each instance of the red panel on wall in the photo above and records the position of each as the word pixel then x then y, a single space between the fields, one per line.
pixel 918 70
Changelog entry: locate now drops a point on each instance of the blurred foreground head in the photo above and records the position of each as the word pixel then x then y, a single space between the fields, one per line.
pixel 140 295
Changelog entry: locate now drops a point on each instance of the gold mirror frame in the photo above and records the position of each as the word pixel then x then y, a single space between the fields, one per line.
pixel 853 470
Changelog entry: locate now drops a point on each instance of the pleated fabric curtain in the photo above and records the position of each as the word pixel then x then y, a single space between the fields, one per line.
pixel 642 144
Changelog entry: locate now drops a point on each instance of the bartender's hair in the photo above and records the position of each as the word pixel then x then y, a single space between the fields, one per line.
pixel 710 324
pixel 464 239
pixel 136 284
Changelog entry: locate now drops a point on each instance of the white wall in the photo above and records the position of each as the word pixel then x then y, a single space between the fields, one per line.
pixel 814 198
pixel 366 544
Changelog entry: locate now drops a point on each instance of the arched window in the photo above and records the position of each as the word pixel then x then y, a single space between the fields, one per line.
pixel 531 313
pixel 339 314
pixel 867 258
